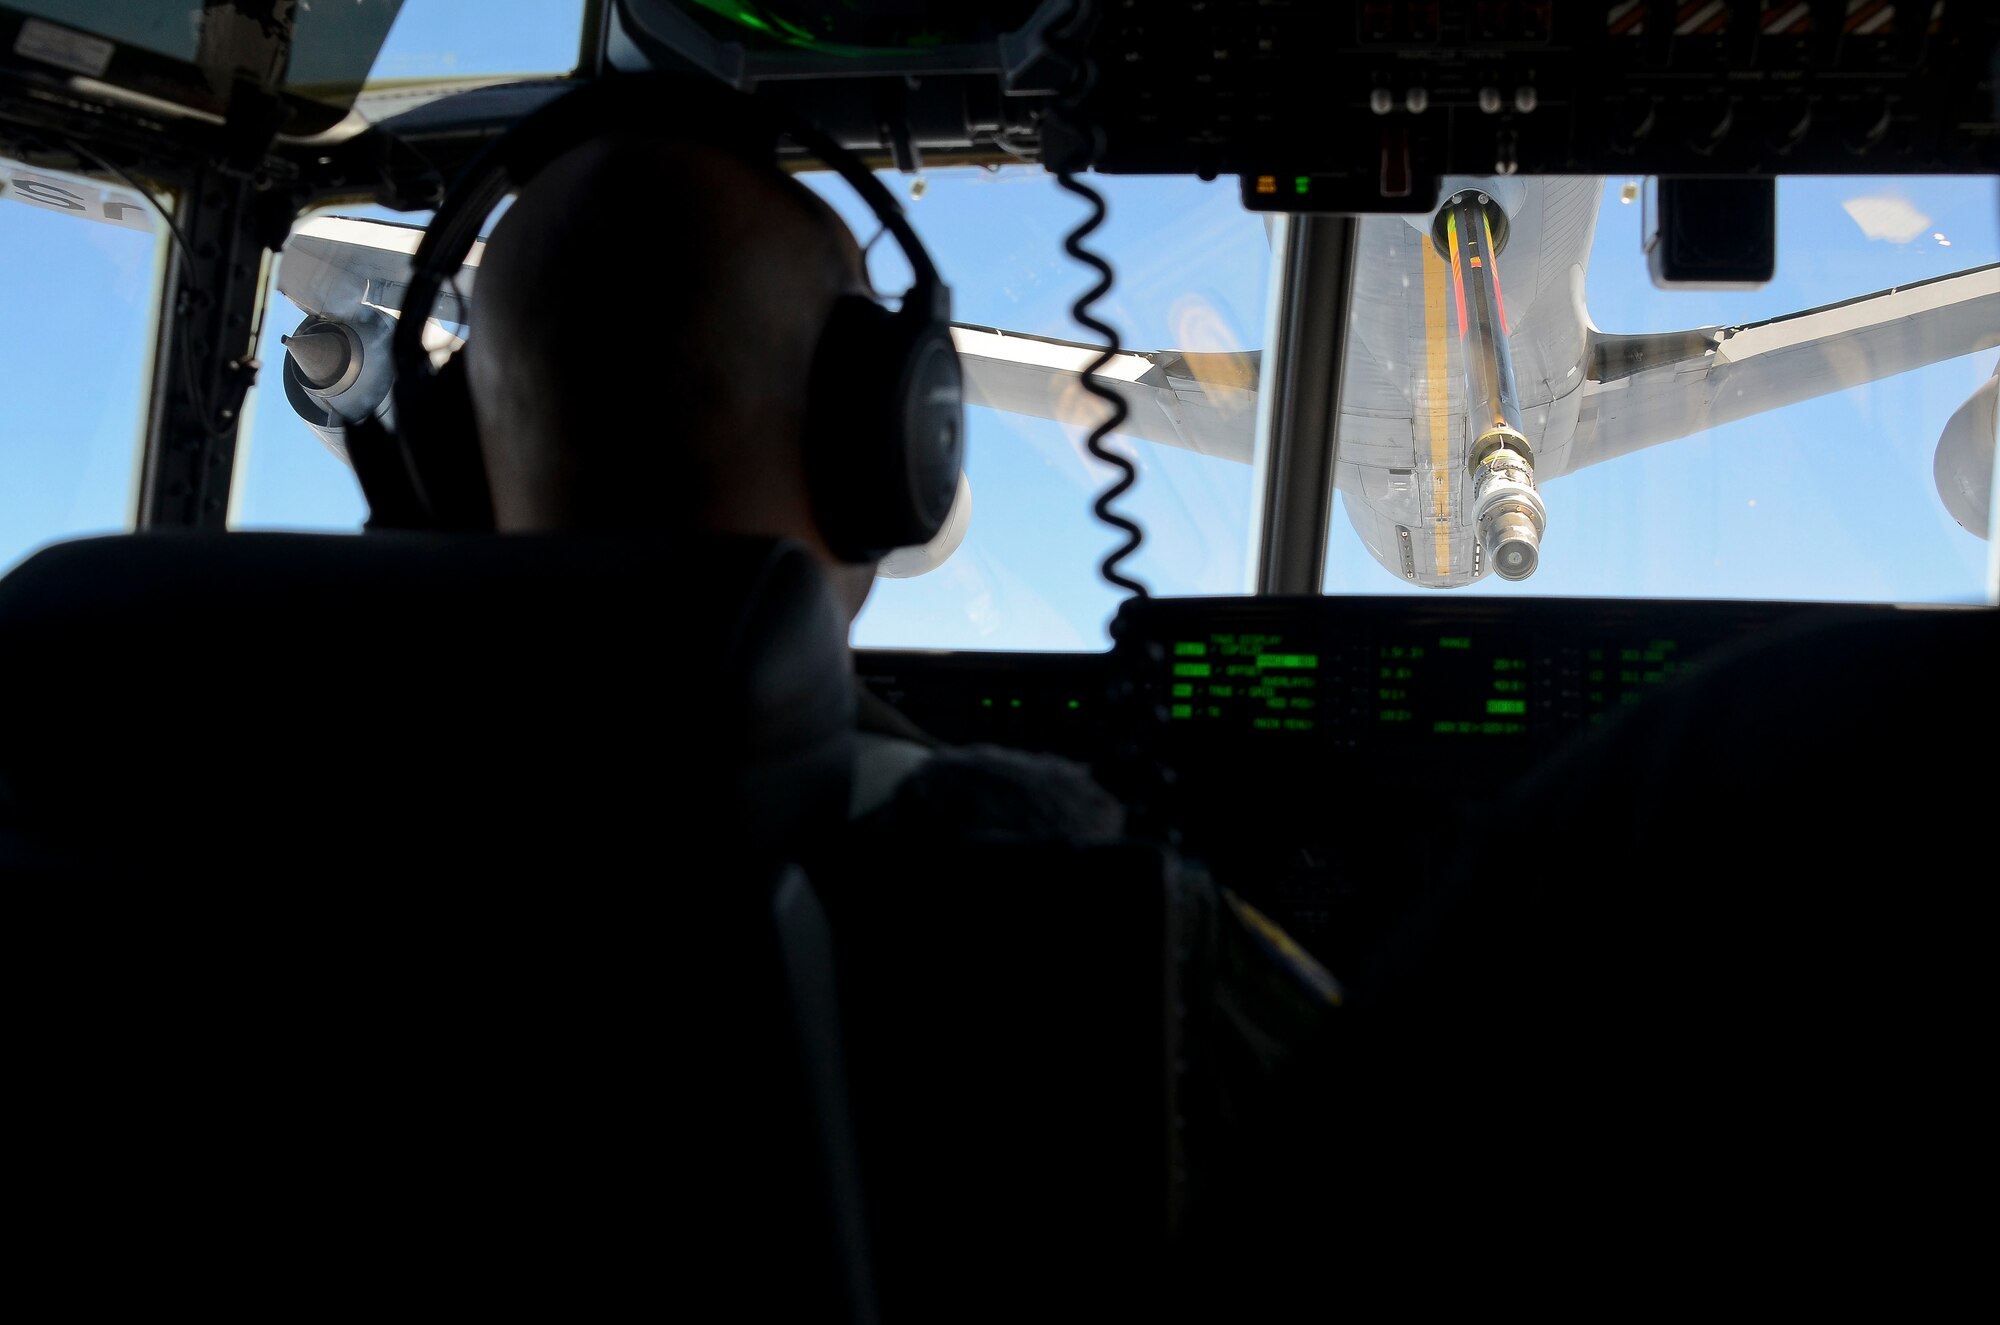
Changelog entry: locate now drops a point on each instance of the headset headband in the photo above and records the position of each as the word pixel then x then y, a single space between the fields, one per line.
pixel 726 118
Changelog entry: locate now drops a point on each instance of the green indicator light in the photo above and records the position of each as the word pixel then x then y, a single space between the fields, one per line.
pixel 1455 642
pixel 1506 706
pixel 1191 649
pixel 1013 703
pixel 986 703
pixel 1307 660
pixel 1190 669
pixel 1302 183
pixel 1182 710
pixel 1076 703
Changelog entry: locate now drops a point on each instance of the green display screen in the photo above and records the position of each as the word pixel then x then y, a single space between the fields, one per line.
pixel 1403 685
pixel 1248 681
pixel 1452 684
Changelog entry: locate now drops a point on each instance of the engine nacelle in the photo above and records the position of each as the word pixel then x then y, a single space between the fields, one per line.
pixel 1963 464
pixel 339 371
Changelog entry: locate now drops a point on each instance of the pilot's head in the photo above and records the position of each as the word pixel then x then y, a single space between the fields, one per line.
pixel 642 341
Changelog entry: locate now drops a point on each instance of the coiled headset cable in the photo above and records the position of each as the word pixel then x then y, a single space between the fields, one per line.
pixel 1069 42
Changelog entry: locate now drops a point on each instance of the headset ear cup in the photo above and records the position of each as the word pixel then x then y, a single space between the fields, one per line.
pixel 934 423
pixel 885 429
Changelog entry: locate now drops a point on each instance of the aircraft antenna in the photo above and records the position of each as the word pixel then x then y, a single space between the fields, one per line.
pixel 1070 143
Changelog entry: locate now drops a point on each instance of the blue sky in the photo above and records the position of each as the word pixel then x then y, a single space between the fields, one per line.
pixel 1832 498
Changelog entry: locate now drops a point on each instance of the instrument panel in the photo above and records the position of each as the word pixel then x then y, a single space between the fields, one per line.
pixel 1366 107
pixel 1420 90
pixel 1325 757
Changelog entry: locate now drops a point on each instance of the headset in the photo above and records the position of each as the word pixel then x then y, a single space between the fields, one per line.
pixel 885 415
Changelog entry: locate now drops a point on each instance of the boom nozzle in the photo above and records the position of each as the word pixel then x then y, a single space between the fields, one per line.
pixel 1508 513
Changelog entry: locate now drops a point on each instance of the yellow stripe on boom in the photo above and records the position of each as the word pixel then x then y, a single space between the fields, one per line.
pixel 1437 400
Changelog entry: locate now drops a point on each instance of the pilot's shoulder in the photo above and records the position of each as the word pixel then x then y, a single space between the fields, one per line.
pixel 988 791
pixel 881 764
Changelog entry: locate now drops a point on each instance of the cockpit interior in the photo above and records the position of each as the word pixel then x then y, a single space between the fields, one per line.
pixel 1503 489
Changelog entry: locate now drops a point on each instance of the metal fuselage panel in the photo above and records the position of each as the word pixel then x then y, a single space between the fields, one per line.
pixel 1403 438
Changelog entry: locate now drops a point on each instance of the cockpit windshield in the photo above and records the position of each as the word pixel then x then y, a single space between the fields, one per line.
pixel 1774 451
pixel 1778 455
pixel 1826 435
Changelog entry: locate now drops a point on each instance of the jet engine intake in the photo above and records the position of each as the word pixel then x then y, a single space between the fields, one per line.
pixel 338 371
